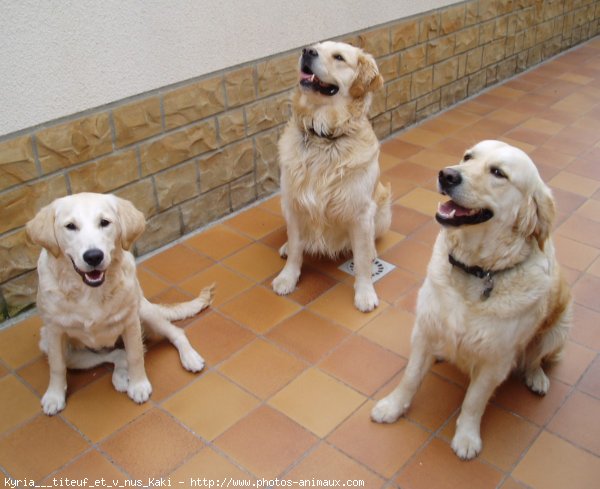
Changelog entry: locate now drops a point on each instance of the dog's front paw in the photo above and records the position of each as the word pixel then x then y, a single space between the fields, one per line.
pixel 283 284
pixel 388 410
pixel 365 298
pixel 120 379
pixel 192 361
pixel 140 391
pixel 466 444
pixel 53 402
pixel 537 381
pixel 283 250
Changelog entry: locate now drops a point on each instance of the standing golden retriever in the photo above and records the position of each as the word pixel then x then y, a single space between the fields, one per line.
pixel 331 196
pixel 494 297
pixel 89 295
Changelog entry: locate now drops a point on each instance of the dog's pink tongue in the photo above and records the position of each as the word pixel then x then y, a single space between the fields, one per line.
pixel 94 274
pixel 446 209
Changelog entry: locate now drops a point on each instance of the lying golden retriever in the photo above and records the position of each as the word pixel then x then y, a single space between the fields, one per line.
pixel 494 297
pixel 331 196
pixel 89 295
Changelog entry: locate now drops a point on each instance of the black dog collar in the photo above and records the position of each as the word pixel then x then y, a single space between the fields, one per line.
pixel 486 275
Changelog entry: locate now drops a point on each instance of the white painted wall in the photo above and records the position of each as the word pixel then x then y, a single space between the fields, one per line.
pixel 59 57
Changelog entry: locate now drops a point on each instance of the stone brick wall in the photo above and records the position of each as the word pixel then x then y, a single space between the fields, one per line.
pixel 190 154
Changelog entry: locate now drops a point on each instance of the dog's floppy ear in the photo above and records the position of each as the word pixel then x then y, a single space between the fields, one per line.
pixel 537 218
pixel 368 78
pixel 131 221
pixel 40 230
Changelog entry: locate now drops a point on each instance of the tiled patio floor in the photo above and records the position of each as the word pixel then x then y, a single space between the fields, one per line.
pixel 290 381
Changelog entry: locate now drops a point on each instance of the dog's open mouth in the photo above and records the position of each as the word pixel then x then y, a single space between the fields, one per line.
pixel 451 214
pixel 309 80
pixel 94 278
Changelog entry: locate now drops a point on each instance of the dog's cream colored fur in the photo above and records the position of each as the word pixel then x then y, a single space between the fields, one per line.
pixel 523 323
pixel 76 315
pixel 331 196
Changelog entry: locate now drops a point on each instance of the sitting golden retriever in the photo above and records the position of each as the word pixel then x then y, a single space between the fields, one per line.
pixel 89 295
pixel 331 196
pixel 494 297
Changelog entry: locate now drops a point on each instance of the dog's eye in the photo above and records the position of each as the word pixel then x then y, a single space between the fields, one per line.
pixel 497 172
pixel 338 57
pixel 104 223
pixel 467 157
pixel 71 227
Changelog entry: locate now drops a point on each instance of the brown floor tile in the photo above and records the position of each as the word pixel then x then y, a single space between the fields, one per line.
pixel 552 463
pixel 433 159
pixel 405 220
pixel 218 242
pixel 17 403
pixel 19 343
pixel 91 466
pixel 585 329
pixel 39 447
pixel 392 330
pixel 266 442
pixel 388 240
pixel 217 338
pixel 228 283
pixel 256 262
pixel 585 291
pixel 328 464
pixel 272 204
pixel 262 368
pixel 311 285
pixel 210 405
pixel 587 166
pixel 577 184
pixel 177 263
pixel 437 466
pixel 256 222
pixel 387 161
pixel 276 239
pixel 172 295
pixel 151 446
pixel 317 401
pixel 421 200
pixel 590 383
pixel 590 210
pixel 151 284
pixel 399 148
pixel 337 305
pixel 210 465
pixel 411 255
pixel 411 172
pixel 576 421
pixel 574 254
pixel 574 361
pixel 552 158
pixel 581 229
pixel 395 284
pixel 510 483
pixel 308 335
pixel 384 448
pixel 451 372
pixel 362 365
pixel 529 136
pixel 505 436
pixel 567 202
pixel 259 309
pixel 87 408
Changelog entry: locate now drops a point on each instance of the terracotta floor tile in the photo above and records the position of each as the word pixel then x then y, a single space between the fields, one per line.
pixel 91 465
pixel 228 283
pixel 574 254
pixel 172 295
pixel 581 229
pixel 399 148
pixel 590 210
pixel 151 284
pixel 392 330
pixel 508 116
pixel 585 291
pixel 177 263
pixel 387 161
pixel 210 465
pixel 389 239
pixel 39 447
pixel 594 268
pixel 218 242
pixel 362 365
pixel 481 130
pixel 151 446
pixel 437 466
pixel 575 183
pixel 266 442
pixel 528 136
pixel 575 103
pixel 552 158
pixel 559 116
pixel 329 464
pixel 337 305
pixel 384 448
pixel 451 372
pixel 17 403
pixel 542 125
pixel 586 166
pixel 276 239
pixel 217 338
pixel 567 202
pixel 395 284
pixel 256 262
pixel 87 408
pixel 411 172
pixel 256 222
pixel 459 116
pixel 505 436
pixel 3 370
pixel 576 421
pixel 259 308
pixel 262 368
pixel 411 255
pixel 516 397
pixel 421 200
pixel 308 335
pixel 552 463
pixel 272 204
pixel 590 382
pixel 574 361
pixel 428 233
pixel 311 285
pixel 510 483
pixel 585 329
pixel 317 401
pixel 19 343
pixel 477 107
pixel 405 220
pixel 436 160
pixel 210 405
pixel 522 145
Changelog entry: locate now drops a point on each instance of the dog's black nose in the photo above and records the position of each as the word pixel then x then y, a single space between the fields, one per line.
pixel 310 52
pixel 448 178
pixel 93 257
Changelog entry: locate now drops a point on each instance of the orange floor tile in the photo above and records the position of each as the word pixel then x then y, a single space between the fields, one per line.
pixel 289 381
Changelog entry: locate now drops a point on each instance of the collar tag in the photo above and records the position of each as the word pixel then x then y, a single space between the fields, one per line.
pixel 488 286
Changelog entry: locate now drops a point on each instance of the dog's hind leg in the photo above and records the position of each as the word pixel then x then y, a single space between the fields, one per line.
pixel 152 317
pixel 80 359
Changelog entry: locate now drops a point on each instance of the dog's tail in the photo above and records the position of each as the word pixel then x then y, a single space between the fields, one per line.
pixel 182 310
